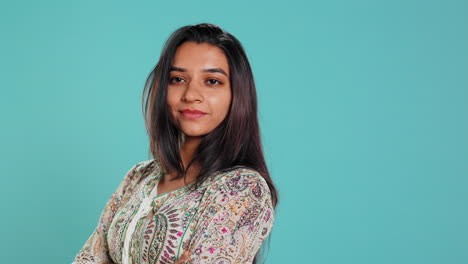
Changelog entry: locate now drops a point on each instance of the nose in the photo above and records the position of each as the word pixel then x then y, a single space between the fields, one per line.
pixel 192 92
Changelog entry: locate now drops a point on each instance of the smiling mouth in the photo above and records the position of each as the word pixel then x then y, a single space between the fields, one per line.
pixel 192 115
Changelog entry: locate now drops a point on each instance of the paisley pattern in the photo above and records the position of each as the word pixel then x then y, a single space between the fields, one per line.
pixel 225 220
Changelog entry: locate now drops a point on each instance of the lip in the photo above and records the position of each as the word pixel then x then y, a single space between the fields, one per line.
pixel 192 114
pixel 193 111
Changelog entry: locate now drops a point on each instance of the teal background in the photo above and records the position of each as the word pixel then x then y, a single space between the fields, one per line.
pixel 363 110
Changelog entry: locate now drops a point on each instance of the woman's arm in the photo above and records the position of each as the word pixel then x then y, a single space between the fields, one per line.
pixel 95 249
pixel 234 221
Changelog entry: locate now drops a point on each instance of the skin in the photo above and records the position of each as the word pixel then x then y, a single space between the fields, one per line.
pixel 194 88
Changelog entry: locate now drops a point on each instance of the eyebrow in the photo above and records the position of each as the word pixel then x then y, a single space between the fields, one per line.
pixel 219 70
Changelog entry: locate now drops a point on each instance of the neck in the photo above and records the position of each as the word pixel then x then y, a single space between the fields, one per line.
pixel 187 151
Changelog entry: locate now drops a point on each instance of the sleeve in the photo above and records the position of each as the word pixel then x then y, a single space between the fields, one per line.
pixel 95 249
pixel 234 222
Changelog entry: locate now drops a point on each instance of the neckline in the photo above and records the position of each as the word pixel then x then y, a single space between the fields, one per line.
pixel 169 192
pixel 157 177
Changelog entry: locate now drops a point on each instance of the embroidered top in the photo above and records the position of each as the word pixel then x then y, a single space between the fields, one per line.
pixel 225 220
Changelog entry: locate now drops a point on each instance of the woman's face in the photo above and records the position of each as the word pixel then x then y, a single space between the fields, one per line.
pixel 199 80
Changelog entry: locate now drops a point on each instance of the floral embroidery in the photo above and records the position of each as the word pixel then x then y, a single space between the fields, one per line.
pixel 224 221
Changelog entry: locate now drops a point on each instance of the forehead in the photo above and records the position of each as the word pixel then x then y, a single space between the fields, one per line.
pixel 197 56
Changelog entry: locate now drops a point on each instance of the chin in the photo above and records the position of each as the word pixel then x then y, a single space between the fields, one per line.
pixel 192 130
pixel 191 133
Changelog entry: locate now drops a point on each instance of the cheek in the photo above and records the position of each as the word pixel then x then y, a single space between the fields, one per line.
pixel 171 101
pixel 220 104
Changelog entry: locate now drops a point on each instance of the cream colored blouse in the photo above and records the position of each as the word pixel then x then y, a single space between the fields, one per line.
pixel 225 220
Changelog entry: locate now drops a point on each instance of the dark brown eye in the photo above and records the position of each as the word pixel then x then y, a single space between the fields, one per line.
pixel 175 78
pixel 214 83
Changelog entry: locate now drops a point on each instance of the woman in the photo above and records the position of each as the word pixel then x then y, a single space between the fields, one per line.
pixel 207 196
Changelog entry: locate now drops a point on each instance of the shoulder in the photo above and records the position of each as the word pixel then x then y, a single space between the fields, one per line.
pixel 145 166
pixel 241 182
pixel 134 176
pixel 140 170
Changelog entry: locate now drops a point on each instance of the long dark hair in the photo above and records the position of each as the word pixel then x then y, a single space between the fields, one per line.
pixel 236 141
